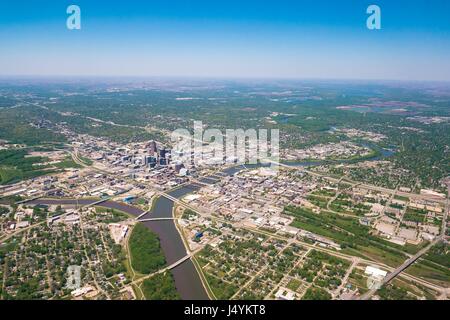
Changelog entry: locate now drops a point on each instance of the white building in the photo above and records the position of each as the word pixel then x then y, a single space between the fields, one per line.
pixel 375 272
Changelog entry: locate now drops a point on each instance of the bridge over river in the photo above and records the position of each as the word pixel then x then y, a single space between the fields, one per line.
pixel 160 221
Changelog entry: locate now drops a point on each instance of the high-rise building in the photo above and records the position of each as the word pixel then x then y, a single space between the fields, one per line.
pixel 163 161
pixel 152 148
pixel 162 153
pixel 151 162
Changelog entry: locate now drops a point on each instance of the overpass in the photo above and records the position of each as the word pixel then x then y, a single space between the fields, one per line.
pixel 399 270
pixel 414 258
pixel 97 202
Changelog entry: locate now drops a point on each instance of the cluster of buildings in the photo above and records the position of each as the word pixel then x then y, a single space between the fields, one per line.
pixel 360 134
pixel 142 162
pixel 256 199
pixel 429 120
pixel 341 150
pixel 410 221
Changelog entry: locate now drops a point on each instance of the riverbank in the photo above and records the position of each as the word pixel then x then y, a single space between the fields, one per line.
pixel 187 279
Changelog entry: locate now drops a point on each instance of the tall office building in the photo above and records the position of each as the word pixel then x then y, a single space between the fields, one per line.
pixel 151 162
pixel 162 153
pixel 152 148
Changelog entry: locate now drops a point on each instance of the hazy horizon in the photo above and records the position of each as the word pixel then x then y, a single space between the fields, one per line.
pixel 296 40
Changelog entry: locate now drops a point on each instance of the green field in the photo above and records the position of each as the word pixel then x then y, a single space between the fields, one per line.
pixel 221 289
pixel 146 253
pixel 160 287
pixel 414 215
pixel 315 293
pixel 430 271
pixel 15 166
pixel 67 163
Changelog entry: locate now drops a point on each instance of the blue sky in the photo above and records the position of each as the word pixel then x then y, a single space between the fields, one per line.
pixel 215 38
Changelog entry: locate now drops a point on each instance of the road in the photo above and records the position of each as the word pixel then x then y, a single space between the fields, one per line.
pixel 446 210
pixel 400 269
pixel 280 237
pixel 142 214
pixel 362 185
pixel 355 262
pixel 391 276
pixel 4 238
pixel 170 267
pixel 156 219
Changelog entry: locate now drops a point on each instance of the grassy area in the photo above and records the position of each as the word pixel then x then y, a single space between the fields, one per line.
pixel 9 174
pixel 4 210
pixel 113 215
pixel 439 254
pixel 402 198
pixel 15 166
pixel 415 289
pixel 188 213
pixel 221 289
pixel 324 193
pixel 67 163
pixel 318 201
pixel 430 271
pixel 349 233
pixel 160 287
pixel 86 161
pixel 413 249
pixel 141 202
pixel 358 280
pixel 294 284
pixel 393 292
pixel 315 293
pixel 414 215
pixel 138 292
pixel 145 249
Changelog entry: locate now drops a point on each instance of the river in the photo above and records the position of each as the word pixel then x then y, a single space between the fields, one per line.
pixel 187 279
